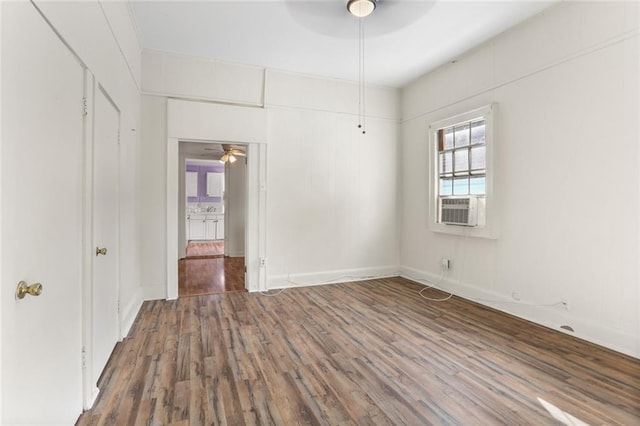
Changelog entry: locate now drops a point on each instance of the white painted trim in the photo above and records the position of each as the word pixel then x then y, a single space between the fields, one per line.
pixel 489 229
pixel 331 277
pixel 236 253
pixel 2 285
pixel 89 390
pixel 173 148
pixel 91 397
pixel 255 210
pixel 548 316
pixel 129 313
pixel 156 291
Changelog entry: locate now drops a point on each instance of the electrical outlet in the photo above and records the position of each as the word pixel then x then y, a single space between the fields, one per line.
pixel 263 262
pixel 446 264
pixel 515 295
pixel 565 304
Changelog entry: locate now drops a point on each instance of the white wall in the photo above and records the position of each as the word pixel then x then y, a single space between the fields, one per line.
pixel 331 190
pixel 196 78
pixel 152 169
pixel 306 116
pixel 235 204
pixel 566 177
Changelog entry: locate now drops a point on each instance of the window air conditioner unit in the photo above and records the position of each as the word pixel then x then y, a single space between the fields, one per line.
pixel 459 211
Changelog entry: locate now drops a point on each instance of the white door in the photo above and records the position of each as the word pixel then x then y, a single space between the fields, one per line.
pixel 42 221
pixel 105 325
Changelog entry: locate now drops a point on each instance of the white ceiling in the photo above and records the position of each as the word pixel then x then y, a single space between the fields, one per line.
pixel 403 38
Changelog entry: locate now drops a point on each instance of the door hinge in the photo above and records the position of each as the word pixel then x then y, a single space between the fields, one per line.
pixel 118 307
pixel 84 357
pixel 85 109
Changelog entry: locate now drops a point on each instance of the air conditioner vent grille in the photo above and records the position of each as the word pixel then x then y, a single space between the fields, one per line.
pixel 459 211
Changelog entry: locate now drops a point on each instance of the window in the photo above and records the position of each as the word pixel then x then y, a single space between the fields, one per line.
pixel 462 159
pixel 460 155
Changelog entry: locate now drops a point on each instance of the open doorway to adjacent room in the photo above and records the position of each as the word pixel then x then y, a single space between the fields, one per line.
pixel 213 191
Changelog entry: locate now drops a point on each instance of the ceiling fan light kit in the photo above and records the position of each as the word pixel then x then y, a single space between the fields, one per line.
pixel 231 154
pixel 228 157
pixel 361 8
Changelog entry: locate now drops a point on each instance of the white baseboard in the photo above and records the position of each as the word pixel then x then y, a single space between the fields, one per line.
pixel 129 314
pixel 330 277
pixel 91 399
pixel 547 316
pixel 157 291
pixel 235 254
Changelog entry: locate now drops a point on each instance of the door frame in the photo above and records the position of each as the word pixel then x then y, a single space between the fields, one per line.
pixel 255 225
pixel 1 283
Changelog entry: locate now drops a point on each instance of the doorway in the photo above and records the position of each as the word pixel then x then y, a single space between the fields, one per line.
pixel 209 122
pixel 213 192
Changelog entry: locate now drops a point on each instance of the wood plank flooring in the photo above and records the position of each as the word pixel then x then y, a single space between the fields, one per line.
pixel 205 248
pixel 210 274
pixel 371 353
pixel 206 270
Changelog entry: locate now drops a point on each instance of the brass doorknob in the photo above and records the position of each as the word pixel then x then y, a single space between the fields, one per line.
pixel 24 289
pixel 102 251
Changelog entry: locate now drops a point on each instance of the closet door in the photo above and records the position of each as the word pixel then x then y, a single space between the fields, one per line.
pixel 105 289
pixel 42 221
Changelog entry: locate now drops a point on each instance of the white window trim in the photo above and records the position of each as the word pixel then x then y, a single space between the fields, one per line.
pixel 489 229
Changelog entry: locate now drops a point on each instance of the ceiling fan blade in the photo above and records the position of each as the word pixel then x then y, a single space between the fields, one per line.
pixel 238 153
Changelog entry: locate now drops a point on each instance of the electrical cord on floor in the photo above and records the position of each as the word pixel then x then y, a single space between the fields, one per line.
pixel 273 294
pixel 431 285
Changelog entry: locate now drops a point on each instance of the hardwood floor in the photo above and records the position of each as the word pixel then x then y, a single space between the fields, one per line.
pixel 206 270
pixel 371 352
pixel 209 275
pixel 205 248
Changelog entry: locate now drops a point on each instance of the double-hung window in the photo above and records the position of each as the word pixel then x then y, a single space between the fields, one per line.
pixel 460 190
pixel 462 153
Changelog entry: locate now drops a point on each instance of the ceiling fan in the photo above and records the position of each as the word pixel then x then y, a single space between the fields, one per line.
pixel 230 154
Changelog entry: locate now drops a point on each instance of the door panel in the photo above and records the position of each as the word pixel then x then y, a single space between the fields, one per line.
pixel 42 176
pixel 106 121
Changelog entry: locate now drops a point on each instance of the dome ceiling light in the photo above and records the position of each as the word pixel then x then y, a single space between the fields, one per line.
pixel 361 8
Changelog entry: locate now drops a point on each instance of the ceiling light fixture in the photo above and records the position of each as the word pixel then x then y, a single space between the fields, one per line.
pixel 228 157
pixel 231 155
pixel 361 8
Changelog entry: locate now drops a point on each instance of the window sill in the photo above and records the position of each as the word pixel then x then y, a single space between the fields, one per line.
pixel 465 231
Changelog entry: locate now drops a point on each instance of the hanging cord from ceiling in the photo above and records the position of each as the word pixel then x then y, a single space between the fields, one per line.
pixel 361 76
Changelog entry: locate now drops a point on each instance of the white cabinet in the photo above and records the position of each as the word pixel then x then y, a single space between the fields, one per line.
pixel 220 228
pixel 205 227
pixel 215 184
pixel 215 227
pixel 192 184
pixel 197 227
